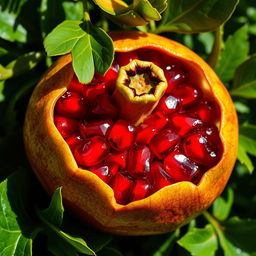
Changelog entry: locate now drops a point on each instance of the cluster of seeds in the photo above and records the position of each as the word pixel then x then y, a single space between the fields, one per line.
pixel 179 141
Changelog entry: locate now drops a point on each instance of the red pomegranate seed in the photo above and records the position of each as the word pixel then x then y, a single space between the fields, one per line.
pixel 93 90
pixel 168 104
pixel 76 86
pixel 163 142
pixel 91 152
pixel 122 187
pixel 138 160
pixel 124 58
pixel 144 134
pixel 118 158
pixel 66 126
pixel 184 122
pixel 93 128
pixel 186 94
pixel 157 120
pixel 174 75
pixel 110 77
pixel 104 107
pixel 121 135
pixel 102 171
pixel 180 168
pixel 206 111
pixel 72 105
pixel 158 177
pixel 140 191
pixel 74 140
pixel 211 133
pixel 199 149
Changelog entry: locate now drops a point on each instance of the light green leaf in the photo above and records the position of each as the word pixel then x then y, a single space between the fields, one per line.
pixel 191 16
pixel 9 28
pixel 73 10
pixel 92 49
pixel 54 214
pixel 230 57
pixel 63 38
pixel 245 79
pixel 16 229
pixel 146 10
pixel 222 207
pixel 200 241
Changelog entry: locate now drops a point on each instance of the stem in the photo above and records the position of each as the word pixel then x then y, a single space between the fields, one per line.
pixel 217 47
pixel 152 26
pixel 86 11
pixel 218 228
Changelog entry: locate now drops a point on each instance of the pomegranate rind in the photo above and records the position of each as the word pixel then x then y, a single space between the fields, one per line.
pixel 87 195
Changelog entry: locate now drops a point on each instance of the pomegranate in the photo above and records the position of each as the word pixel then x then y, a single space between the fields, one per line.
pixel 140 150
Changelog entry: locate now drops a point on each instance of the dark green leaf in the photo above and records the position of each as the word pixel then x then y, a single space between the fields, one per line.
pixel 230 57
pixel 21 65
pixel 54 214
pixel 200 241
pixel 52 219
pixel 229 248
pixel 48 17
pixel 191 16
pixel 16 228
pixel 245 79
pixel 9 28
pixel 222 207
pixel 167 245
pixel 102 49
pixel 12 6
pixel 109 252
pixel 247 144
pixel 242 233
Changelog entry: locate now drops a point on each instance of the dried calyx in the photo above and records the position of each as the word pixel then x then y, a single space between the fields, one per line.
pixel 146 124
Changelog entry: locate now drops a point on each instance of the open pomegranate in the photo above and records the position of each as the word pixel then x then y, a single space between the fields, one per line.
pixel 140 150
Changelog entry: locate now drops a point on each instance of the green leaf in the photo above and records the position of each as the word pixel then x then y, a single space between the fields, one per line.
pixel 191 16
pixel 241 232
pixel 230 57
pixel 245 79
pixel 21 65
pixel 16 229
pixel 10 29
pixel 92 49
pixel 63 38
pixel 52 219
pixel 146 10
pixel 247 144
pixel 54 214
pixel 222 207
pixel 200 241
pixel 73 10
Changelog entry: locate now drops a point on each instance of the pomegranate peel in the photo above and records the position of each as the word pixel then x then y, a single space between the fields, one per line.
pixel 85 193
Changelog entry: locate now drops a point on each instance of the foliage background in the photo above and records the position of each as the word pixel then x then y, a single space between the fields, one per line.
pixel 227 228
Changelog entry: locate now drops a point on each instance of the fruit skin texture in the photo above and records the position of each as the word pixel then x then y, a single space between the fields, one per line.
pixel 88 196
